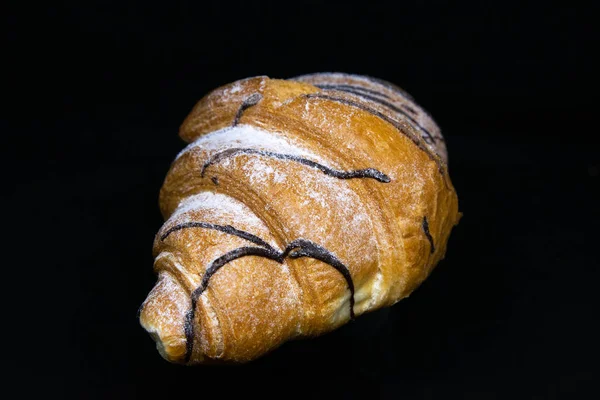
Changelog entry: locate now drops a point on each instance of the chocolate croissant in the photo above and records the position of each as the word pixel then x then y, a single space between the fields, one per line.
pixel 298 205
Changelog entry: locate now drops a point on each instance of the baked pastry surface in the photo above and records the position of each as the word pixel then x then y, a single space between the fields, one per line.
pixel 298 205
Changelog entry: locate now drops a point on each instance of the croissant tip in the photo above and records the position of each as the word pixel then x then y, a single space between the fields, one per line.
pixel 162 316
pixel 171 348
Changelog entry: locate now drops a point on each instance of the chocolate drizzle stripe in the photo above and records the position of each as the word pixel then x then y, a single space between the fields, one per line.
pixel 221 228
pixel 313 250
pixel 428 235
pixel 394 88
pixel 188 329
pixel 412 110
pixel 357 173
pixel 376 81
pixel 296 249
pixel 352 89
pixel 429 138
pixel 250 101
pixel 415 140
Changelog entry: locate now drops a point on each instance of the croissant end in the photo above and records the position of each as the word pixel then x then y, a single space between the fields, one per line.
pixel 162 315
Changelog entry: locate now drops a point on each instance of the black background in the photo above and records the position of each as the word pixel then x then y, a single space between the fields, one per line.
pixel 97 92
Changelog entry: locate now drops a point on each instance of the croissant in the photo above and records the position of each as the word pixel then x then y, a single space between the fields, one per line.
pixel 298 205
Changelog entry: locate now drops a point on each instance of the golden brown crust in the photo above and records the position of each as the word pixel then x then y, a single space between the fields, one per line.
pixel 264 160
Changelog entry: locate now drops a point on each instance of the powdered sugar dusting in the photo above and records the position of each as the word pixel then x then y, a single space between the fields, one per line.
pixel 221 208
pixel 217 203
pixel 245 136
